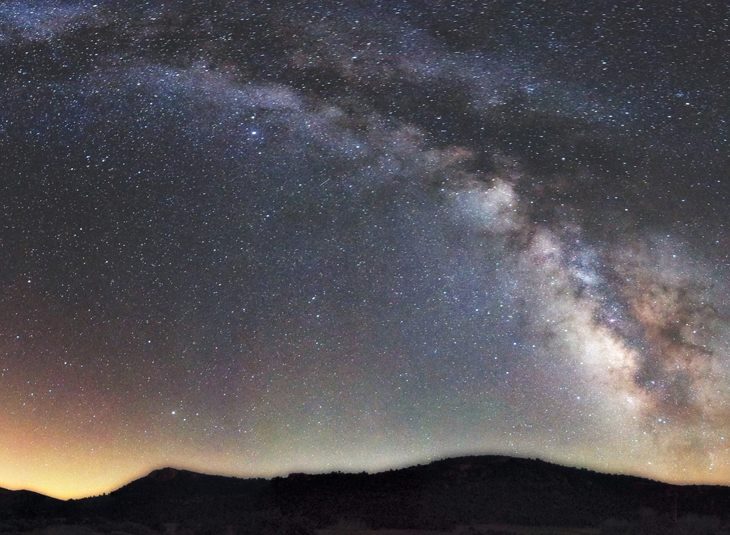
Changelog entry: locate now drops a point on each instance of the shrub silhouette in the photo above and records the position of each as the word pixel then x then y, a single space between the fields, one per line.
pixel 697 525
pixel 649 522
pixel 616 526
pixel 346 523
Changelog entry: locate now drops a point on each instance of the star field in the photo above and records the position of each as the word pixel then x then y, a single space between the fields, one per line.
pixel 250 238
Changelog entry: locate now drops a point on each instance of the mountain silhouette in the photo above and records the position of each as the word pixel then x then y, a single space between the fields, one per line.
pixel 463 491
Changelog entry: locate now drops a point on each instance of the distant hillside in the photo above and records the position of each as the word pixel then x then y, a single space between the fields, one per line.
pixel 20 509
pixel 439 496
pixel 489 490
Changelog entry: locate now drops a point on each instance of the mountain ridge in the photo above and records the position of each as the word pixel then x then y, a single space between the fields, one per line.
pixel 440 495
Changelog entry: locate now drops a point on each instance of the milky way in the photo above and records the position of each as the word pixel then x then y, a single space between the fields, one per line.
pixel 250 239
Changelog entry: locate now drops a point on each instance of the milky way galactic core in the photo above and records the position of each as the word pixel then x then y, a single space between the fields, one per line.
pixel 253 238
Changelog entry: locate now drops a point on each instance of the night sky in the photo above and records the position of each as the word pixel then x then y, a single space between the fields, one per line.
pixel 252 238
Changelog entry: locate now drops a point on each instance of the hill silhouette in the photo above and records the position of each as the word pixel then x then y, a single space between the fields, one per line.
pixel 464 491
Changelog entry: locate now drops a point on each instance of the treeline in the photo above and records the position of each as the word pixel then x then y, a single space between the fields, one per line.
pixel 487 490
